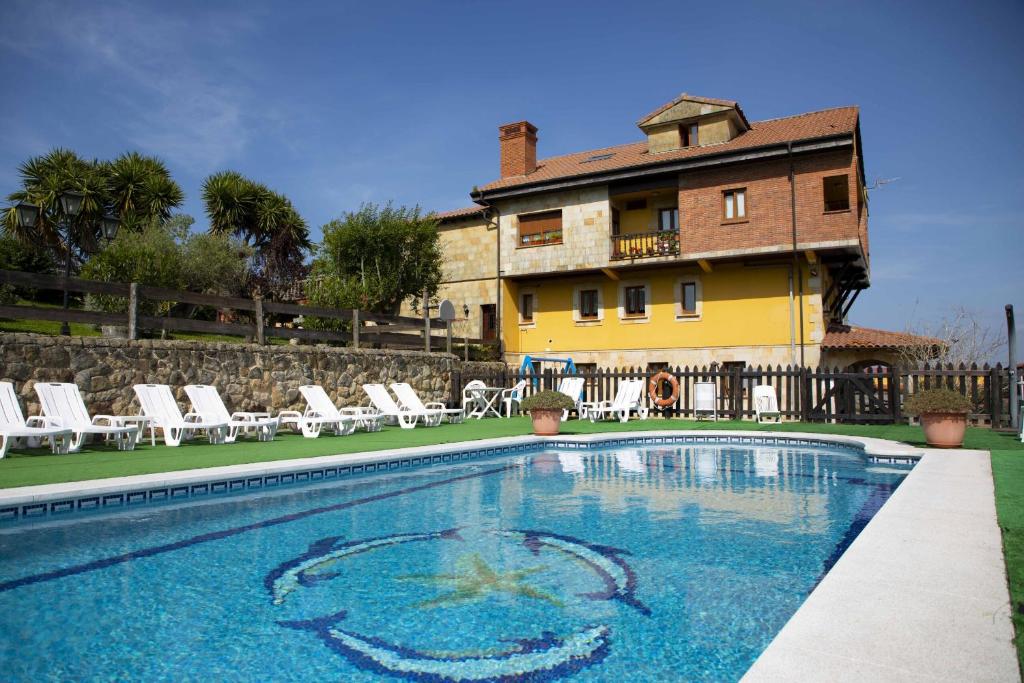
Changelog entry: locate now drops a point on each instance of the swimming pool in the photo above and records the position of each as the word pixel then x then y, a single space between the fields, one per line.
pixel 649 563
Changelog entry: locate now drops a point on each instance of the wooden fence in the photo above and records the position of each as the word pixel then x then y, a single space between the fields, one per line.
pixel 362 326
pixel 808 394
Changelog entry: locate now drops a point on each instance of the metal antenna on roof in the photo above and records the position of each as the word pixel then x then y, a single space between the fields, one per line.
pixel 879 182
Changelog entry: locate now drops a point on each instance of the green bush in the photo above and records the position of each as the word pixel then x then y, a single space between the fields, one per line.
pixel 150 258
pixel 937 401
pixel 547 400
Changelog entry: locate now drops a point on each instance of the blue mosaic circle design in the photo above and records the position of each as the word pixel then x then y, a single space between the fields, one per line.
pixel 547 655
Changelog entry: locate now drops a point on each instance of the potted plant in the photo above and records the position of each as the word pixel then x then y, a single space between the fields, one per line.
pixel 545 410
pixel 943 414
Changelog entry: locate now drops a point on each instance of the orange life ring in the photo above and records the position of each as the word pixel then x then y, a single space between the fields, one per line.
pixel 654 389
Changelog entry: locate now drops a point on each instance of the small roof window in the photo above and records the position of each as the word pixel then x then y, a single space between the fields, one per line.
pixel 599 157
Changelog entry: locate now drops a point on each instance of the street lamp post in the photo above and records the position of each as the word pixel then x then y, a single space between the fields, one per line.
pixel 70 207
pixel 465 332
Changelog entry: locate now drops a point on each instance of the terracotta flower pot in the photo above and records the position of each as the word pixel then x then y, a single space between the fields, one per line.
pixel 944 430
pixel 546 422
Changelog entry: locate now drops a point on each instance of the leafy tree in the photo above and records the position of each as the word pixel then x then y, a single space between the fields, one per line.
pixel 376 258
pixel 17 255
pixel 151 258
pixel 138 189
pixel 264 220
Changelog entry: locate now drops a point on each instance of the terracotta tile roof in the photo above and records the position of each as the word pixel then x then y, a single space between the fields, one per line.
pixel 692 98
pixel 852 337
pixel 635 154
pixel 455 214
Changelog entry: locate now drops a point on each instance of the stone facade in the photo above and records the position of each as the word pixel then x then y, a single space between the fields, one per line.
pixel 249 377
pixel 586 229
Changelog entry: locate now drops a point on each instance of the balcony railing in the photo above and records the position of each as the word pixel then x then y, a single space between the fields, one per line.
pixel 645 244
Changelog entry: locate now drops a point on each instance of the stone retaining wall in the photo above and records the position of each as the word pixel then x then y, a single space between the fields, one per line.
pixel 249 377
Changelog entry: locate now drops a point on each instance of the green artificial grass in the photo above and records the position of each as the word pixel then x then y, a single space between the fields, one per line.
pixel 1008 473
pixel 39 466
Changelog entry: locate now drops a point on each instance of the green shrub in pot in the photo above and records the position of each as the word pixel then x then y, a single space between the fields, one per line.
pixel 937 401
pixel 548 400
pixel 943 414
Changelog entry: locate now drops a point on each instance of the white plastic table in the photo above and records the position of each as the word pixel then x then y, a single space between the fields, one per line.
pixel 486 401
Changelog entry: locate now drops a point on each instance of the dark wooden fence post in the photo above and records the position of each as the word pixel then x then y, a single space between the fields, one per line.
pixel 355 328
pixel 261 336
pixel 133 310
pixel 426 320
pixel 804 395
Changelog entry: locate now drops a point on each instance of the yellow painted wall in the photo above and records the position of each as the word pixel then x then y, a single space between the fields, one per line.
pixel 740 307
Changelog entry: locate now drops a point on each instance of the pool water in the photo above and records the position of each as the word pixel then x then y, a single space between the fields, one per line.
pixel 674 563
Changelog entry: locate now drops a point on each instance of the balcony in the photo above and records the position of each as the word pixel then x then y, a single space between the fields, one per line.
pixel 645 245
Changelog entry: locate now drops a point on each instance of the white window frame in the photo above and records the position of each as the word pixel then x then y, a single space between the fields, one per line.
pixel 576 308
pixel 526 324
pixel 634 319
pixel 677 296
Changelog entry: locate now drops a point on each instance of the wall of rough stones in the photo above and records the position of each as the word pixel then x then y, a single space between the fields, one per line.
pixel 249 377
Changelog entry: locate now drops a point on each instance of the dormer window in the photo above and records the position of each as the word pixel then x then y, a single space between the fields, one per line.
pixel 688 135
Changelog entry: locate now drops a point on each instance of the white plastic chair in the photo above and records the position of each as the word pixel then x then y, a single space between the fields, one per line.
pixel 408 398
pixel 705 401
pixel 206 400
pixel 573 388
pixel 404 417
pixel 766 404
pixel 320 414
pixel 627 400
pixel 14 428
pixel 62 402
pixel 158 402
pixel 513 396
pixel 468 395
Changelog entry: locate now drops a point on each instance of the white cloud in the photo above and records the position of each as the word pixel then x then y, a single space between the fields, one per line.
pixel 172 88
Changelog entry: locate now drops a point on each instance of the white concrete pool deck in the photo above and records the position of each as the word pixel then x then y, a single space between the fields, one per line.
pixel 920 594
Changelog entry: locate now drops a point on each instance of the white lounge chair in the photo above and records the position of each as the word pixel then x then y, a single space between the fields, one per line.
pixel 626 401
pixel 63 403
pixel 158 403
pixel 573 388
pixel 766 404
pixel 513 396
pixel 320 413
pixel 409 399
pixel 14 428
pixel 705 401
pixel 406 418
pixel 206 400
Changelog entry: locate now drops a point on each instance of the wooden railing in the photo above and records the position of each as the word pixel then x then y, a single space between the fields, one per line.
pixel 645 244
pixel 363 326
pixel 807 394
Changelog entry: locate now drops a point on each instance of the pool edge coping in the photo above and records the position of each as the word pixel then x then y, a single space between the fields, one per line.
pixel 920 594
pixel 45 493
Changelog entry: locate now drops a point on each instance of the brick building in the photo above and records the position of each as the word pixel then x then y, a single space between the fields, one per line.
pixel 712 239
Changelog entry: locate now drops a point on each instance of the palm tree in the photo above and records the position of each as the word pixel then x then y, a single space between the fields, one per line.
pixel 137 188
pixel 265 220
pixel 142 190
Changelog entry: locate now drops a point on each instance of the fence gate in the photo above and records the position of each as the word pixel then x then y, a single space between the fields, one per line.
pixel 870 396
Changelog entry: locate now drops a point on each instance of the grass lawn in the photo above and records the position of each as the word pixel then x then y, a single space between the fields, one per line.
pixel 1008 472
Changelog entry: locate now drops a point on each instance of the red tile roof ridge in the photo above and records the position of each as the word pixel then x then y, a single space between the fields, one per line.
pixel 806 113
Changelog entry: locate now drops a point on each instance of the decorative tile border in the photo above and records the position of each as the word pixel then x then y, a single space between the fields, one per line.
pixel 133 498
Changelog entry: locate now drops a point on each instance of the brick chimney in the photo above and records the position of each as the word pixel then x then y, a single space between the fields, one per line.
pixel 518 148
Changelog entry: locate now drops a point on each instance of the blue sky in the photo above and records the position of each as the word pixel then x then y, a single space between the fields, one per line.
pixel 338 103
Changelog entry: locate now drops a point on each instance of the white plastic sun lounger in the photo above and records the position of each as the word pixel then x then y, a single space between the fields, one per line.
pixel 705 401
pixel 320 413
pixel 406 418
pixel 15 429
pixel 158 402
pixel 573 388
pixel 206 400
pixel 626 401
pixel 62 403
pixel 766 404
pixel 409 399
